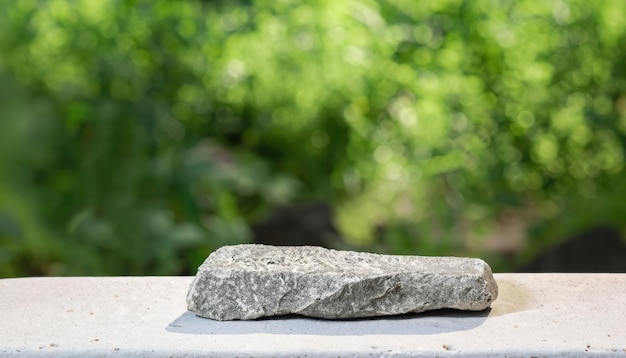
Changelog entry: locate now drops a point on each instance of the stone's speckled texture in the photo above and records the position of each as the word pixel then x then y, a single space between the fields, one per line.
pixel 251 281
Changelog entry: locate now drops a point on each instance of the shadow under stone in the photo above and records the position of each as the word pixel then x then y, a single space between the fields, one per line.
pixel 426 323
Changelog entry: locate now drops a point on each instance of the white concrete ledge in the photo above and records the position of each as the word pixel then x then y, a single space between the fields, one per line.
pixel 543 315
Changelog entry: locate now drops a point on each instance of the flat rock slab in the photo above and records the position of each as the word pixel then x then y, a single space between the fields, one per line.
pixel 245 282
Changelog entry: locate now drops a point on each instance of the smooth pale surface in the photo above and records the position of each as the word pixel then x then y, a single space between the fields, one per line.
pixel 535 315
pixel 252 281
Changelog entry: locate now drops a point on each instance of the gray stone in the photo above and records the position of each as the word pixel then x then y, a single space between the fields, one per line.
pixel 251 281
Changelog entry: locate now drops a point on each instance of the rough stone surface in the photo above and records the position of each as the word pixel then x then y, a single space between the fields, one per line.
pixel 251 281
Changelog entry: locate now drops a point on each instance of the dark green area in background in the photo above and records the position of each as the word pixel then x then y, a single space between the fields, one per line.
pixel 137 136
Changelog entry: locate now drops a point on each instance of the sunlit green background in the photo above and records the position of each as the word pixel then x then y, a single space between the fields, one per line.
pixel 137 136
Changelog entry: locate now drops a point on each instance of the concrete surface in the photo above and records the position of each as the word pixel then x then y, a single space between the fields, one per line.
pixel 540 315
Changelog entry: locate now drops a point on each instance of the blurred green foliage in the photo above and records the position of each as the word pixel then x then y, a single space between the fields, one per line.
pixel 136 136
